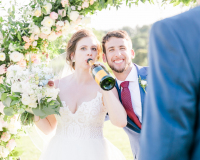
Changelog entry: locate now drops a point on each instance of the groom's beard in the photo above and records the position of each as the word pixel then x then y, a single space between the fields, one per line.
pixel 118 70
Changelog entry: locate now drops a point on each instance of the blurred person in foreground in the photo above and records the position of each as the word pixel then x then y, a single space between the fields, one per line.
pixel 171 122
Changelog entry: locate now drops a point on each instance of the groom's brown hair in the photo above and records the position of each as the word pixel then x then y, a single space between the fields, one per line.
pixel 116 34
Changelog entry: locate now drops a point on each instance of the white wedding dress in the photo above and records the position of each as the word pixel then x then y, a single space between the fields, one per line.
pixel 79 136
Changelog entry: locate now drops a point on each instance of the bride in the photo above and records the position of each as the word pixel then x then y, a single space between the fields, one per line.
pixel 79 132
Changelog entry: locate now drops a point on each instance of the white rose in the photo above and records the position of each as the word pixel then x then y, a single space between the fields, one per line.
pixel 73 8
pixel 13 127
pixel 37 12
pixel 46 30
pixel 2 56
pixel 48 22
pixel 60 23
pixel 4 152
pixel 143 82
pixel 16 56
pixel 52 92
pixel 74 15
pixel 35 30
pixel 86 20
pixel 26 99
pixel 16 87
pixel 35 43
pixel 52 36
pixel 79 8
pixel 47 7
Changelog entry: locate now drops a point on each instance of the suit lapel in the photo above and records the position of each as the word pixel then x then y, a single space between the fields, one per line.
pixel 142 93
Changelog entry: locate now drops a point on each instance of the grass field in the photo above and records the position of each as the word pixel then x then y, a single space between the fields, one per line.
pixel 115 135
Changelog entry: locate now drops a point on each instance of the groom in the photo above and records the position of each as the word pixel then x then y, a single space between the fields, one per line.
pixel 118 53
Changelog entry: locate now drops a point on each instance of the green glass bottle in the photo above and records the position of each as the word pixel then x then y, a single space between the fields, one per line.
pixel 101 76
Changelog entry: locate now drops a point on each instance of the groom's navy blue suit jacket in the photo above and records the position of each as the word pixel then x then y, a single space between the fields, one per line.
pixel 142 72
pixel 171 119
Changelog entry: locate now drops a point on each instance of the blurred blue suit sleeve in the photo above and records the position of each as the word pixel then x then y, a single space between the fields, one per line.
pixel 170 112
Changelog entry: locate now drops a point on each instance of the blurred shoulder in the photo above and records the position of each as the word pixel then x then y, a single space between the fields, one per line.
pixel 64 80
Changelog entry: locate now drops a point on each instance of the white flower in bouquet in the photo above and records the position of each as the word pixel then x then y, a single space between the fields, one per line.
pixel 16 56
pixel 52 92
pixel 37 12
pixel 86 20
pixel 13 127
pixel 12 47
pixel 73 8
pixel 79 8
pixel 52 36
pixel 16 87
pixel 1 38
pixel 64 3
pixel 34 43
pixel 35 30
pixel 2 56
pixel 48 21
pixel 4 152
pixel 5 136
pixel 46 30
pixel 26 99
pixel 74 15
pixel 60 23
pixel 47 7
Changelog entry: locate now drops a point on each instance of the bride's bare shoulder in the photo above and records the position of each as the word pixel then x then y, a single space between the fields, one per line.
pixel 65 80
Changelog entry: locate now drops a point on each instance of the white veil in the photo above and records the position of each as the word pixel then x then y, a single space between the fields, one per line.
pixel 61 69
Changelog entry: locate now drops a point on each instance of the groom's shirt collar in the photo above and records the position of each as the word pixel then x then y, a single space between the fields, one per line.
pixel 132 76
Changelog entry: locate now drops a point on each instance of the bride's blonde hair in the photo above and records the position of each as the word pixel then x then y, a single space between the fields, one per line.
pixel 72 43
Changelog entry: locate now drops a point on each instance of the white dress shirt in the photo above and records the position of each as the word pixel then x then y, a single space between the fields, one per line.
pixel 135 92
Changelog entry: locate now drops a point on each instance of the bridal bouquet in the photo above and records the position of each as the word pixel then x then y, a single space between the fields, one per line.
pixel 29 89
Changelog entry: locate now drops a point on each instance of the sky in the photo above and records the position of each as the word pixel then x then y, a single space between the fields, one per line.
pixel 140 15
pixel 143 14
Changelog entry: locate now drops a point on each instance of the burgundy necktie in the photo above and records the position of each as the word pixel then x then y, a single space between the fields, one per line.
pixel 126 101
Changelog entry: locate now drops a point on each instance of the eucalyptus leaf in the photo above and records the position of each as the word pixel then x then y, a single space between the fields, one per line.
pixel 7 102
pixel 3 96
pixel 8 111
pixel 38 112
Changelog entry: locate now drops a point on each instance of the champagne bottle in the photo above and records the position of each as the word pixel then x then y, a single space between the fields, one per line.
pixel 101 76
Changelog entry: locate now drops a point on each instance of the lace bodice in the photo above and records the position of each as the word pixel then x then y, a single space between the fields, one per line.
pixel 85 123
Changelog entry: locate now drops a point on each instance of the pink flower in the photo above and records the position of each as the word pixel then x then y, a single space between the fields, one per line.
pixel 64 2
pixel 26 39
pixel 58 28
pixel 5 136
pixel 43 36
pixel 27 45
pixel 35 59
pixel 1 107
pixel 3 69
pixel 53 15
pixel 11 144
pixel 22 63
pixel 62 12
pixel 59 33
pixel 85 5
pixel 91 2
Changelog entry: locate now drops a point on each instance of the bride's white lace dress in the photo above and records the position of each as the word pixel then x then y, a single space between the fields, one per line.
pixel 79 136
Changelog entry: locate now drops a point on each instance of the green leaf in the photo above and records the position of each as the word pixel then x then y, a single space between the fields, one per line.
pixel 8 111
pixel 38 112
pixel 7 102
pixel 19 36
pixel 14 102
pixel 3 96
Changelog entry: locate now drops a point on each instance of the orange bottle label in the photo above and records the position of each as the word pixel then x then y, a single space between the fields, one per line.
pixel 99 75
